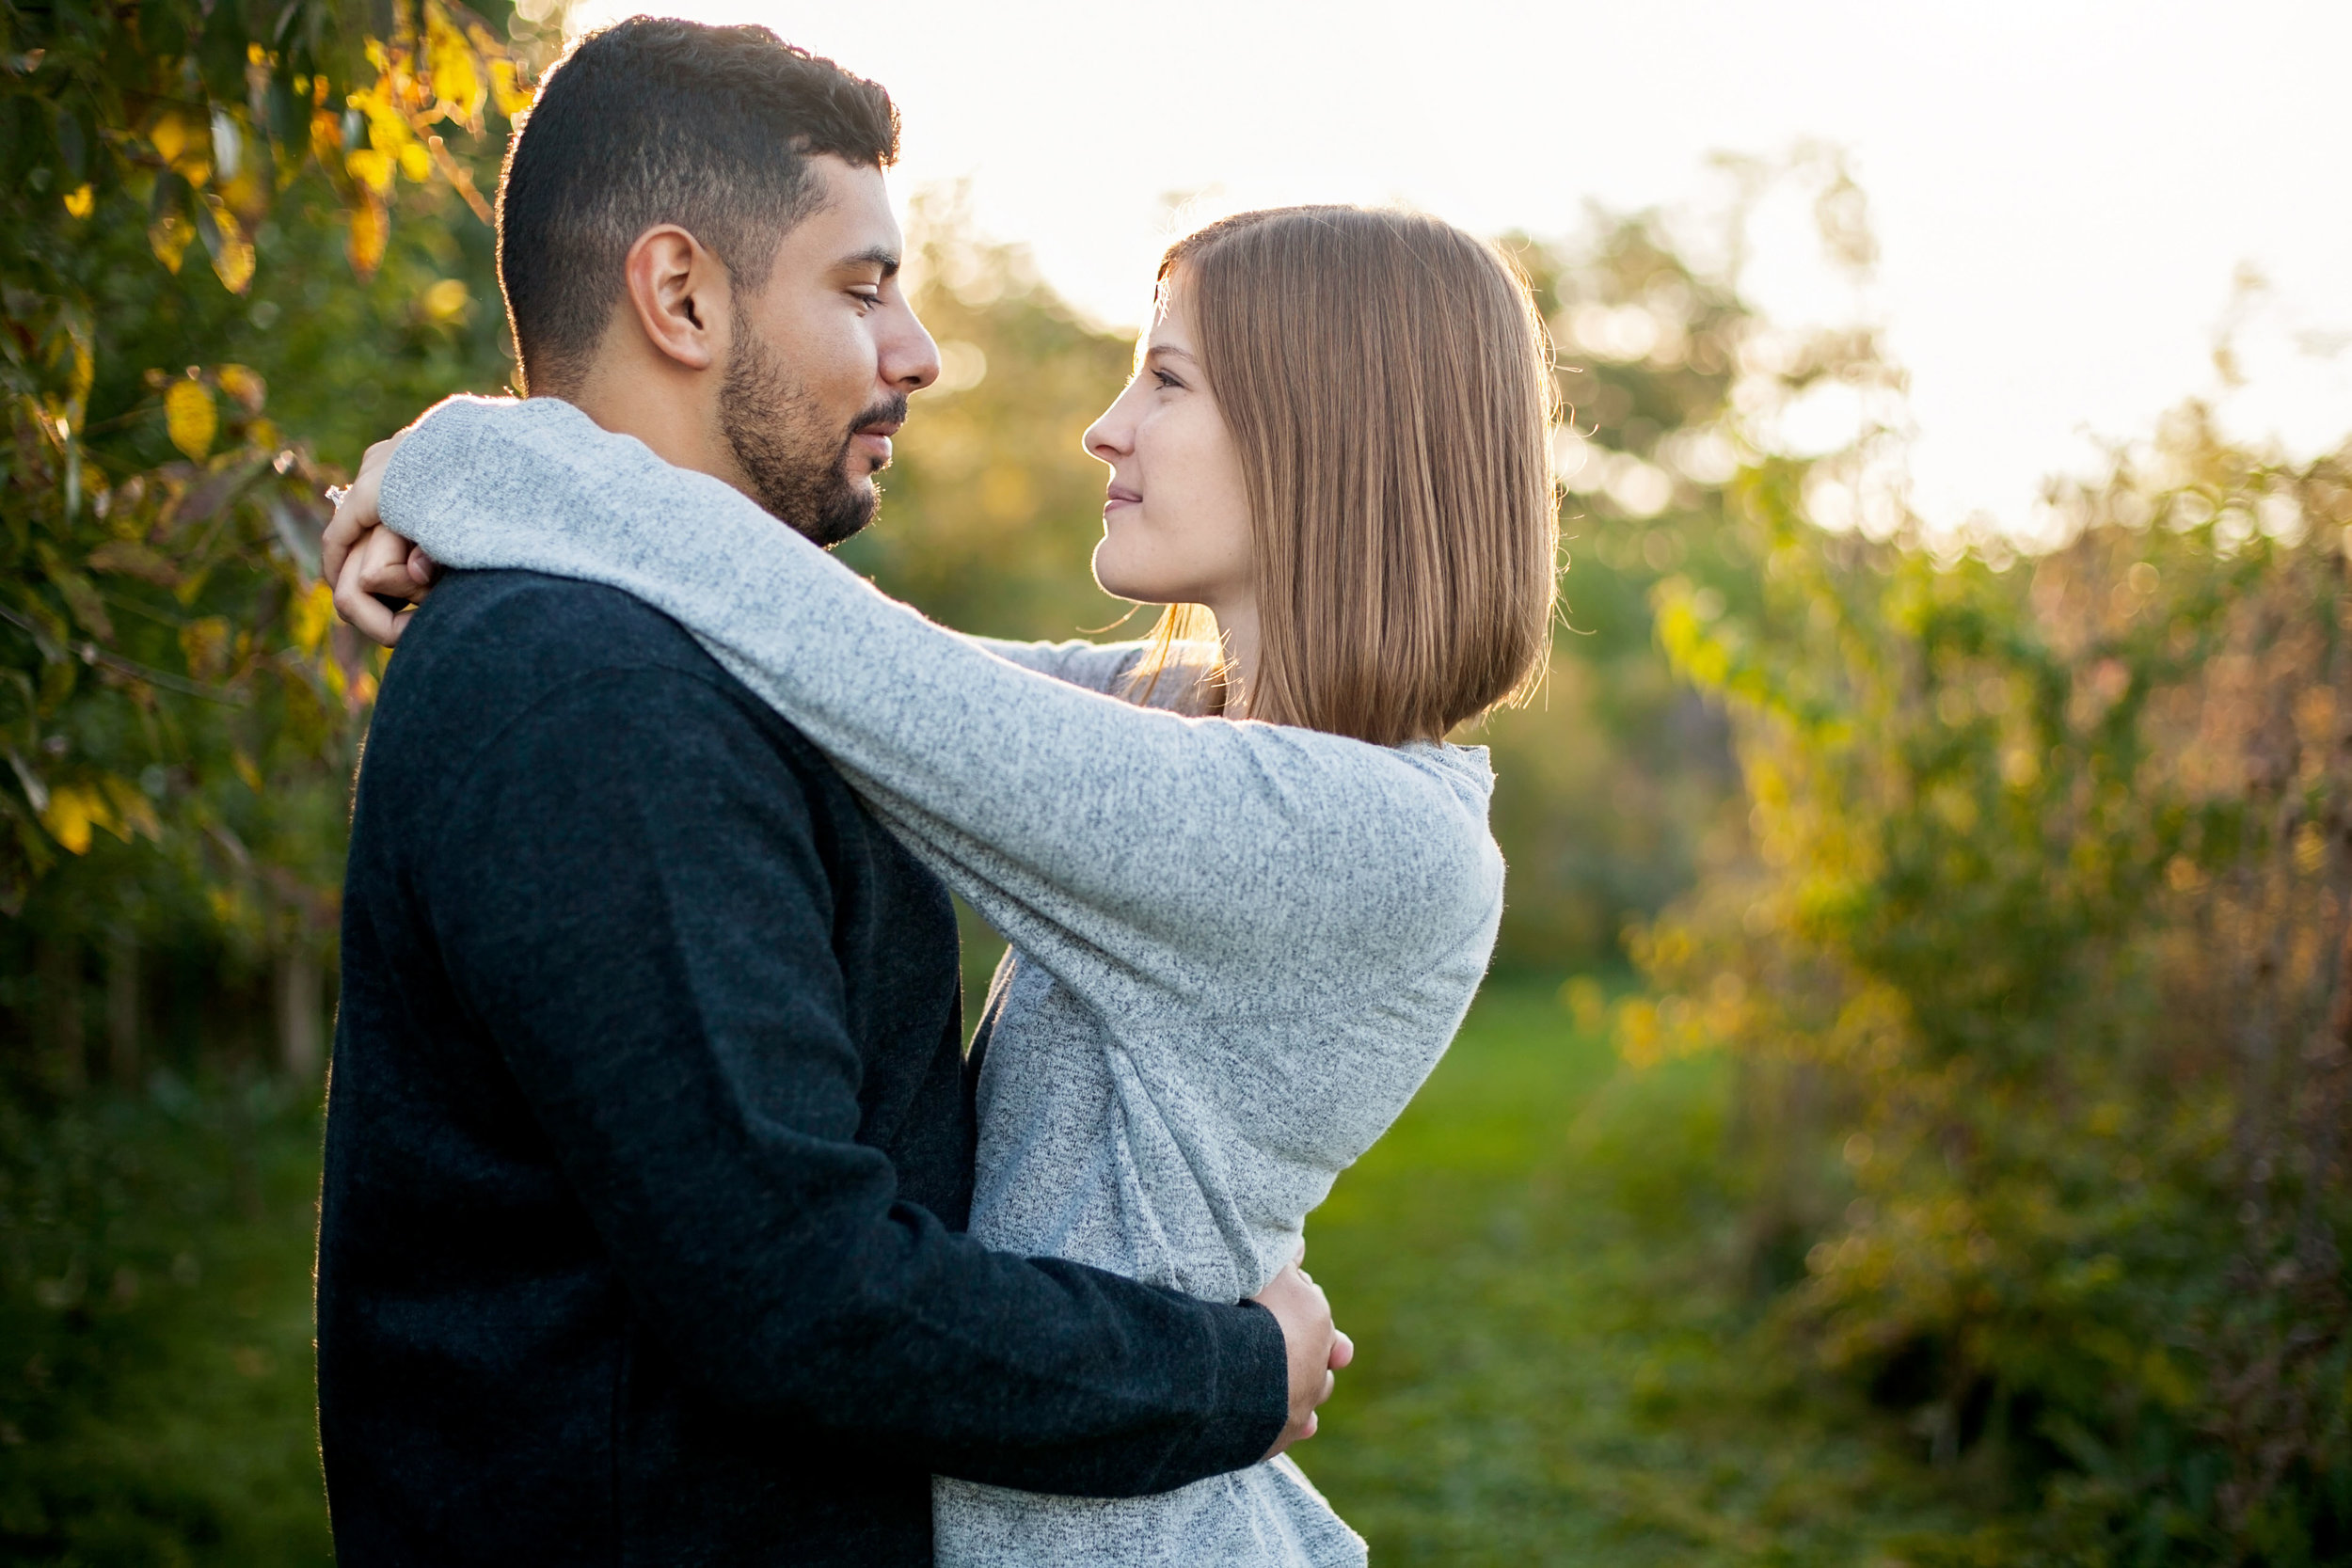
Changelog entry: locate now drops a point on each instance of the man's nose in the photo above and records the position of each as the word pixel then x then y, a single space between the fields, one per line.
pixel 909 360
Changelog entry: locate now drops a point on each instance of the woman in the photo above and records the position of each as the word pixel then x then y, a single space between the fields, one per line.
pixel 1242 932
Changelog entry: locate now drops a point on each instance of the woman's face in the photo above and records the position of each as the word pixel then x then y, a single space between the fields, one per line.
pixel 1176 523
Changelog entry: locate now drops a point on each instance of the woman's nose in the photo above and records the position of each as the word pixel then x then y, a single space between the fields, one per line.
pixel 1103 440
pixel 1111 437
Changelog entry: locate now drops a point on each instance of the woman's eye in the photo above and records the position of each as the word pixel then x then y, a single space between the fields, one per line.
pixel 1165 380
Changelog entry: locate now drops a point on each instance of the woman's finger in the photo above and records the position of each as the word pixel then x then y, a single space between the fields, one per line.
pixel 364 612
pixel 387 564
pixel 356 510
pixel 368 615
pixel 334 544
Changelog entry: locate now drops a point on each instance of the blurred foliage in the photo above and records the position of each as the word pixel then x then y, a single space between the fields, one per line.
pixel 179 718
pixel 2034 962
pixel 209 305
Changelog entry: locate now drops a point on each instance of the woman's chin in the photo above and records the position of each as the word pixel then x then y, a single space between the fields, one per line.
pixel 1124 579
pixel 1110 578
pixel 1122 588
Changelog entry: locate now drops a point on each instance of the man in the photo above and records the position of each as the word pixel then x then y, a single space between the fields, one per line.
pixel 649 1136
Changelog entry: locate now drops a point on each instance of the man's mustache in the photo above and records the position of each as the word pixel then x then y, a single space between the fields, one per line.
pixel 889 411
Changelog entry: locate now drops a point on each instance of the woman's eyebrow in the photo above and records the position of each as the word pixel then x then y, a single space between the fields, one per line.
pixel 1169 349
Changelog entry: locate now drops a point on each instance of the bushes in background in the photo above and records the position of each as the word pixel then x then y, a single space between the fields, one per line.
pixel 2035 965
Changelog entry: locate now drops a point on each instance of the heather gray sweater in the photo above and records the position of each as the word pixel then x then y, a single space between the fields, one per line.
pixel 1237 948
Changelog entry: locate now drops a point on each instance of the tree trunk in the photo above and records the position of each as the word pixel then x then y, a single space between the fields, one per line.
pixel 299 1044
pixel 122 1010
pixel 60 1012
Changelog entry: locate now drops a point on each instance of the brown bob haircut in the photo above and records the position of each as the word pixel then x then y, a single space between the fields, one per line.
pixel 1387 381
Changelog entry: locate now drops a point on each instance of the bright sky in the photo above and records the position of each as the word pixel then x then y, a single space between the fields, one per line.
pixel 2063 190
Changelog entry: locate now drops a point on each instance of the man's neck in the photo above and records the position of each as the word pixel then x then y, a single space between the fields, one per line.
pixel 667 410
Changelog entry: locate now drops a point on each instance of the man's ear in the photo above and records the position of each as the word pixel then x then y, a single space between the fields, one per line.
pixel 679 292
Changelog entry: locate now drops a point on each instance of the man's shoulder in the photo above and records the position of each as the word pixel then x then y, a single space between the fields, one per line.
pixel 492 651
pixel 507 626
pixel 493 644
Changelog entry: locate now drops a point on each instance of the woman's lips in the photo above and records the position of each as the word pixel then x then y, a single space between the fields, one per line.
pixel 1119 495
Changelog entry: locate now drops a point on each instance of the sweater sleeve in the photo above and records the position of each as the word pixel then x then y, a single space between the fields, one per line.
pixel 1089 666
pixel 1232 862
pixel 1106 667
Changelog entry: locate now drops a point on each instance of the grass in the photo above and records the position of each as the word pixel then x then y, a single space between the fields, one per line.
pixel 155 1398
pixel 1558 1364
pixel 1559 1360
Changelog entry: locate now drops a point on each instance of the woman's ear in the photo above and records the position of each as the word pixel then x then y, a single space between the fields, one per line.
pixel 679 293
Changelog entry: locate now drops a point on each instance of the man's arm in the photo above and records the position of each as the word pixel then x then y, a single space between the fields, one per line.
pixel 631 898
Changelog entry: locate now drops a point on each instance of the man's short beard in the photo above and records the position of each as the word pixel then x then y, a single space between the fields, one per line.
pixel 799 472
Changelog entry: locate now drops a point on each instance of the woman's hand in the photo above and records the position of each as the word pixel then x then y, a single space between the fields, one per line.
pixel 367 561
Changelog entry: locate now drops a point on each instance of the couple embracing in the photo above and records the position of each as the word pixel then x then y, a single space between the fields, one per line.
pixel 668 1216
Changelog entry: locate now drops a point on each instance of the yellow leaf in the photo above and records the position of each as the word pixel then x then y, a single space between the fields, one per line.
pixel 415 163
pixel 168 236
pixel 389 131
pixel 80 201
pixel 243 385
pixel 73 810
pixel 326 136
pixel 171 135
pixel 507 88
pixel 371 168
pixel 190 417
pixel 456 85
pixel 311 615
pixel 245 770
pixel 232 253
pixel 371 232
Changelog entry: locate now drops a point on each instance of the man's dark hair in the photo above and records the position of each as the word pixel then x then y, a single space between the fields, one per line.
pixel 658 120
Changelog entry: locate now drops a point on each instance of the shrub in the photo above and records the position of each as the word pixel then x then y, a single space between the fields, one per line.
pixel 2034 964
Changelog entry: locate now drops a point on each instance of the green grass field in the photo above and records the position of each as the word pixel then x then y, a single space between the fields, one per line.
pixel 1557 1364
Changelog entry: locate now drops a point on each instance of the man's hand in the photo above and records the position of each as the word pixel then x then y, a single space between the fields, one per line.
pixel 1317 1349
pixel 364 560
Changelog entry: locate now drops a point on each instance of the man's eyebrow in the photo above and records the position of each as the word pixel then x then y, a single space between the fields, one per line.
pixel 872 256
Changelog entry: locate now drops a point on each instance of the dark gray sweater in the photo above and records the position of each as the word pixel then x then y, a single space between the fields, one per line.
pixel 649 1142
